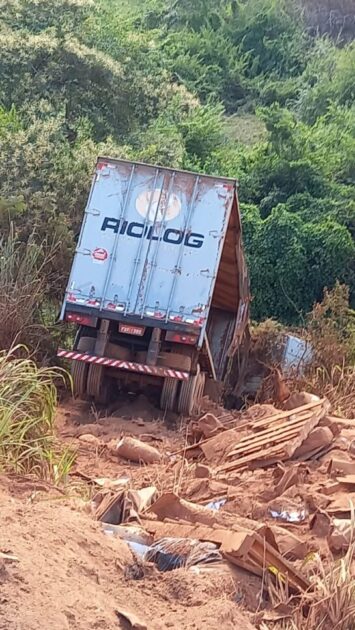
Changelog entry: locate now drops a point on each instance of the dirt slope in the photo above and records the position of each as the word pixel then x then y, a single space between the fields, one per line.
pixel 69 575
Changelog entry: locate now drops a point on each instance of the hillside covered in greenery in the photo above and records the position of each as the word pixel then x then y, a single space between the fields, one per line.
pixel 253 89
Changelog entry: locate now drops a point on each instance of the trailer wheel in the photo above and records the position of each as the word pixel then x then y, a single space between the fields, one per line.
pixel 97 386
pixel 191 393
pixel 79 369
pixel 168 394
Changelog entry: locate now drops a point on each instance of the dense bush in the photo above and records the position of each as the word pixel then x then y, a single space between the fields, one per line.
pixel 158 81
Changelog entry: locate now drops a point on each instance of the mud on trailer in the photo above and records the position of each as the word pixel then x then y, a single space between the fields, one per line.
pixel 158 287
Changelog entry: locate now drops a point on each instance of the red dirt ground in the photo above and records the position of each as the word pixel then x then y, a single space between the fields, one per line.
pixel 71 576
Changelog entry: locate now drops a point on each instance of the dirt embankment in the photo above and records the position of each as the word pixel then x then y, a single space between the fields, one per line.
pixel 70 575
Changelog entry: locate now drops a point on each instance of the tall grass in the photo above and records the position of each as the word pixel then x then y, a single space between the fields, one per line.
pixel 28 399
pixel 26 281
pixel 336 383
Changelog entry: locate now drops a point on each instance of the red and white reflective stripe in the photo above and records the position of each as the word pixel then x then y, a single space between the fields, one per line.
pixel 124 365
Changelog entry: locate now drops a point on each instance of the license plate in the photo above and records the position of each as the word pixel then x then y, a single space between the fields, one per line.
pixel 131 330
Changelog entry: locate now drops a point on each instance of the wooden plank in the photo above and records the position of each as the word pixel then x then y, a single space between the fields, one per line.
pixel 279 452
pixel 303 433
pixel 308 426
pixel 275 560
pixel 251 551
pixel 289 412
pixel 238 463
pixel 210 358
pixel 278 432
pixel 266 442
pixel 292 446
pixel 280 422
pixel 261 438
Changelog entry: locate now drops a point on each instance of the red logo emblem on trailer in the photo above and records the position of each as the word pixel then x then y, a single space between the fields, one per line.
pixel 99 254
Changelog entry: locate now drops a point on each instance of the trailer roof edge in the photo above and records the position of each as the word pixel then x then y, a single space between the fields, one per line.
pixel 168 168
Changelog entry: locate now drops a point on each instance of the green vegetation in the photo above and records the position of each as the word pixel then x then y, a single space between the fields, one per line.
pixel 242 89
pixel 27 407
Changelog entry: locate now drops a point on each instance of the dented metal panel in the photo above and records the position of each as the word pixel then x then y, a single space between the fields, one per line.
pixel 150 243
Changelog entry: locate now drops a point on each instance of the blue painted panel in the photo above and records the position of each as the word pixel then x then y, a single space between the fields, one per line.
pixel 151 242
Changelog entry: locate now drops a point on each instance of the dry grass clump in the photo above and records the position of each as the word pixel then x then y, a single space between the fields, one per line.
pixel 330 602
pixel 331 328
pixel 332 605
pixel 27 408
pixel 331 331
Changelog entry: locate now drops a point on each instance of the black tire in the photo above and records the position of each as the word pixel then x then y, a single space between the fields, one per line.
pixel 97 385
pixel 191 392
pixel 169 394
pixel 79 369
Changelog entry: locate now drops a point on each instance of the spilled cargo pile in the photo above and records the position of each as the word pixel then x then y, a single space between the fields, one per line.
pixel 266 492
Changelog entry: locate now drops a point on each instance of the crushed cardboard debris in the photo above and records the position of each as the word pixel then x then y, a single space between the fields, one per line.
pixel 342 466
pixel 247 549
pixel 136 451
pixel 134 622
pixel 290 545
pixel 341 534
pixel 255 458
pixel 170 506
pixel 320 524
pixel 207 426
pixel 318 441
pixel 347 480
pixel 124 506
pixel 286 478
pixel 343 504
pixel 216 448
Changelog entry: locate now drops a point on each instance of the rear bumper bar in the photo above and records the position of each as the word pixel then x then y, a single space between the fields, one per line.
pixel 129 366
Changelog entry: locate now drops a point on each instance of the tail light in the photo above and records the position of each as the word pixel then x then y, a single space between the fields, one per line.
pixel 83 320
pixel 190 340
